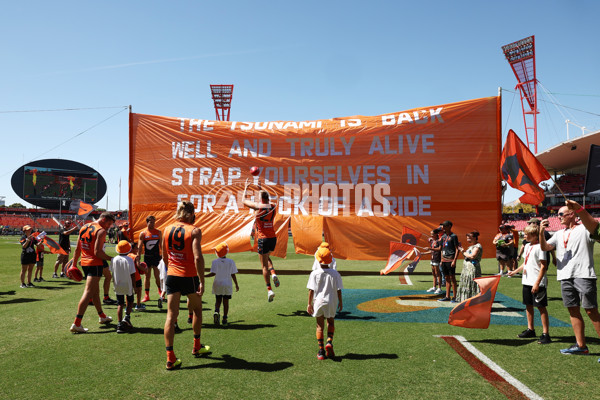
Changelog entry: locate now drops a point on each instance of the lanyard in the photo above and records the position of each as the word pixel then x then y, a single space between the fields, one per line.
pixel 527 254
pixel 565 241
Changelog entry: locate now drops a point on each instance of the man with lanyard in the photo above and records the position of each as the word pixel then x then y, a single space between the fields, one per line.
pixel 575 268
pixel 65 243
pixel 90 247
pixel 149 244
pixel 182 250
pixel 265 236
pixel 449 255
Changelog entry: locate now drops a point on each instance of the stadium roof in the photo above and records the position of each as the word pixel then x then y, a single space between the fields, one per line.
pixel 570 155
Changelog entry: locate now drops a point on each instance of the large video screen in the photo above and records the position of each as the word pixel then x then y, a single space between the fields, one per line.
pixel 59 184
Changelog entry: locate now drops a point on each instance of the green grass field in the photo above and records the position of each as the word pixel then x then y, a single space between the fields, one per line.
pixel 269 350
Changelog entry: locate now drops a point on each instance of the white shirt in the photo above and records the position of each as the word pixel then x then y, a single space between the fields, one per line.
pixel 122 267
pixel 325 283
pixel 223 268
pixel 574 253
pixel 531 266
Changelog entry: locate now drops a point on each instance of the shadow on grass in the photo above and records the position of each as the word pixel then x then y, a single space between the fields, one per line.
pixel 9 293
pixel 571 339
pixel 49 287
pixel 362 357
pixel 236 325
pixel 506 342
pixel 348 315
pixel 507 309
pixel 18 301
pixel 299 313
pixel 147 331
pixel 230 362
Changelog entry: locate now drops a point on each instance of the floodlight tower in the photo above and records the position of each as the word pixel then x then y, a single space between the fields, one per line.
pixel 221 95
pixel 521 57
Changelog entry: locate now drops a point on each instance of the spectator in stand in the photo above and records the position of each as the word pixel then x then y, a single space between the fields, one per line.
pixel 575 268
pixel 65 243
pixel 28 255
pixel 504 245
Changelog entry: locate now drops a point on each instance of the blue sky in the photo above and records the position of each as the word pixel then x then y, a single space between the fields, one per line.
pixel 288 61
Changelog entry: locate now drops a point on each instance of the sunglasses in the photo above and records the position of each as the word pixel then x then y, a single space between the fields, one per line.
pixel 563 214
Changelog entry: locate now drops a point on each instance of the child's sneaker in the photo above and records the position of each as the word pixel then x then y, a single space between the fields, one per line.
pixel 329 350
pixel 321 354
pixel 23 286
pixel 105 320
pixel 121 327
pixel 527 333
pixel 202 350
pixel 159 305
pixel 270 295
pixel 438 291
pixel 173 365
pixel 216 318
pixel 575 349
pixel 224 322
pixel 140 307
pixel 544 339
pixel 275 280
pixel 78 329
pixel 431 290
pixel 54 276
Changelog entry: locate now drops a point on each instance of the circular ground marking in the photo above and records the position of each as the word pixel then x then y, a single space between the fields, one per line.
pixel 393 304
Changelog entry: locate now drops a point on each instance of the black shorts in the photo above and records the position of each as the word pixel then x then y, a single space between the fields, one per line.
pixel 183 285
pixel 223 296
pixel 152 261
pixel 539 300
pixel 121 299
pixel 448 269
pixel 138 283
pixel 94 270
pixel 28 258
pixel 266 245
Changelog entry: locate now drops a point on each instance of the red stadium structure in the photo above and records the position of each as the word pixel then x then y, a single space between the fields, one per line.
pixel 221 95
pixel 521 57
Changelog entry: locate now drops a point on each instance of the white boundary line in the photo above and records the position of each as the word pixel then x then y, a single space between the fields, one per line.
pixel 496 368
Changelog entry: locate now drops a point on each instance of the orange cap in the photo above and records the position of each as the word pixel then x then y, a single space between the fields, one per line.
pixel 325 245
pixel 222 249
pixel 324 255
pixel 123 247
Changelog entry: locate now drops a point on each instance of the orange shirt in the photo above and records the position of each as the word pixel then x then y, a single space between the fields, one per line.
pixel 137 272
pixel 264 222
pixel 177 239
pixel 88 235
pixel 40 252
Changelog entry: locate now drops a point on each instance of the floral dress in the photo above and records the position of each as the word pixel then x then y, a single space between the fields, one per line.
pixel 471 270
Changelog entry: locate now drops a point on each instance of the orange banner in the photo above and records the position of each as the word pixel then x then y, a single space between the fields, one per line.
pixel 355 181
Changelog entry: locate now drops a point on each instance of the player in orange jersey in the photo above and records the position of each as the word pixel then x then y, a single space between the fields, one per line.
pixel 149 245
pixel 265 235
pixel 90 248
pixel 182 251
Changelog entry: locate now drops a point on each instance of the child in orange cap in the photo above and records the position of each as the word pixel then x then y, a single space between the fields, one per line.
pixel 224 270
pixel 122 269
pixel 316 264
pixel 324 298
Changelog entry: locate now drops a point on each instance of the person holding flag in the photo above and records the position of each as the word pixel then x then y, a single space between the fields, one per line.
pixel 574 247
pixel 65 243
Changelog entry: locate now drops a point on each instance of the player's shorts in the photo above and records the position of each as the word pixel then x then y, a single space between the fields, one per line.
pixel 578 292
pixel 62 258
pixel 27 258
pixel 326 310
pixel 121 299
pixel 138 283
pixel 181 284
pixel 540 299
pixel 40 263
pixel 448 269
pixel 152 261
pixel 266 245
pixel 94 270
pixel 223 296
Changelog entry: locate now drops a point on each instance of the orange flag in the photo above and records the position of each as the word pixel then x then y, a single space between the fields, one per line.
pixel 410 236
pixel 53 246
pixel 521 170
pixel 398 253
pixel 476 311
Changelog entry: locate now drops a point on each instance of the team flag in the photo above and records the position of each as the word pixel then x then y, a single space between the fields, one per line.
pixel 521 170
pixel 411 267
pixel 83 209
pixel 410 235
pixel 53 246
pixel 475 312
pixel 592 175
pixel 398 253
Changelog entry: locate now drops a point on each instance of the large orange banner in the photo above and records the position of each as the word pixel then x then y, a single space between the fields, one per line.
pixel 354 181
